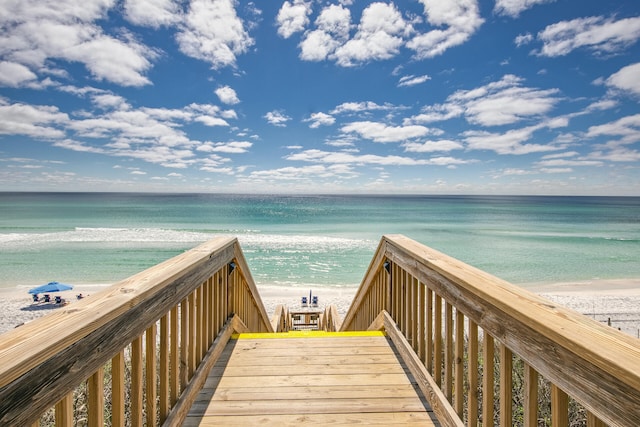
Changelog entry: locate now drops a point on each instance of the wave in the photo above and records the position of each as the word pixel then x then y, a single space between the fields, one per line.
pixel 136 237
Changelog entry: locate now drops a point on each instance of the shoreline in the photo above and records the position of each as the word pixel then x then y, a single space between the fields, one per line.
pixel 610 300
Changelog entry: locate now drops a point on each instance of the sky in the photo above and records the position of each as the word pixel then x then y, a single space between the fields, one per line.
pixel 307 96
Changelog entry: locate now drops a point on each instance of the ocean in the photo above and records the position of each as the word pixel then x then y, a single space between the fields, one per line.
pixel 314 241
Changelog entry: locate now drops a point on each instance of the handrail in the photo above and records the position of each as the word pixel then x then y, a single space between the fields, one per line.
pixel 331 319
pixel 189 296
pixel 597 366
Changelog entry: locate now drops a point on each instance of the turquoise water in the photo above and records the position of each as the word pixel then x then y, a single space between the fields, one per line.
pixel 314 241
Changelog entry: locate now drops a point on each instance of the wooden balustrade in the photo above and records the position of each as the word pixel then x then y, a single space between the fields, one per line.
pixel 159 325
pixel 484 349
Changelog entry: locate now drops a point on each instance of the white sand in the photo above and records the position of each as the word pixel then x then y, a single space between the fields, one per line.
pixel 617 300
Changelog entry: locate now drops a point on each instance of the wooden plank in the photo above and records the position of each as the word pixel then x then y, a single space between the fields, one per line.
pixel 328 368
pixel 308 406
pixel 327 392
pixel 333 420
pixel 559 407
pixel 136 382
pixel 64 411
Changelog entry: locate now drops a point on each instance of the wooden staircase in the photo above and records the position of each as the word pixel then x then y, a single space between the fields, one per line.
pixel 315 378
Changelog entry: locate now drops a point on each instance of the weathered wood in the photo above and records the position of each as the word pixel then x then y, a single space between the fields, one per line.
pixel 180 410
pixel 315 389
pixel 440 405
pixel 89 332
pixel 556 341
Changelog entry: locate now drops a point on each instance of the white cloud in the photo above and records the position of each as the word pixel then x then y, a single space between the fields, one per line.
pixel 626 79
pixel 432 146
pixel 38 121
pixel 293 17
pixel 627 128
pixel 320 119
pixel 332 30
pixel 601 35
pixel 213 32
pixel 35 31
pixel 379 36
pixel 318 156
pixel 227 95
pixel 412 80
pixel 232 147
pixel 152 13
pixel 461 18
pixel 523 39
pixel 15 75
pixel 277 118
pixel 510 142
pixel 379 132
pixel 359 107
pixel 503 102
pixel 513 8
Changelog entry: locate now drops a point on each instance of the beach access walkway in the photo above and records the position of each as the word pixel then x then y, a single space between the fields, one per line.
pixel 310 378
pixel 427 339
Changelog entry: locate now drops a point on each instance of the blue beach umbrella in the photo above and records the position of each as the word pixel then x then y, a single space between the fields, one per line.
pixel 50 287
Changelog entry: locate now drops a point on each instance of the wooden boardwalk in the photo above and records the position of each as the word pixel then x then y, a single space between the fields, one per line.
pixel 310 378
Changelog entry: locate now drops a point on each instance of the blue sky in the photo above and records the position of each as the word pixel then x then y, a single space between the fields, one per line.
pixel 421 96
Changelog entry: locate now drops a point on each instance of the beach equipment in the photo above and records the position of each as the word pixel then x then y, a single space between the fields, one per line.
pixel 50 287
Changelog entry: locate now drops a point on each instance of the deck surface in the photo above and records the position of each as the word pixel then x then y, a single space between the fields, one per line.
pixel 331 380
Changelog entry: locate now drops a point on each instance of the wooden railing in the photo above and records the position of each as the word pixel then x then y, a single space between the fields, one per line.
pixel 484 350
pixel 163 327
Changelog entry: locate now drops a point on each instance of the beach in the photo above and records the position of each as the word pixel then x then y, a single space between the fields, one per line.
pixel 614 301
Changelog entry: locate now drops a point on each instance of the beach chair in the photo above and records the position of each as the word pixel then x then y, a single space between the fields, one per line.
pixel 304 302
pixel 47 298
pixel 58 300
pixel 36 298
pixel 314 301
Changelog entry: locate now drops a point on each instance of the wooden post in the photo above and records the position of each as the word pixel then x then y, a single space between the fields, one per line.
pixel 448 351
pixel 437 339
pixel 458 390
pixel 151 375
pixel 96 399
pixel 506 383
pixel 64 411
pixel 164 367
pixel 175 367
pixel 117 390
pixel 472 405
pixel 530 396
pixel 559 407
pixel 488 379
pixel 136 382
